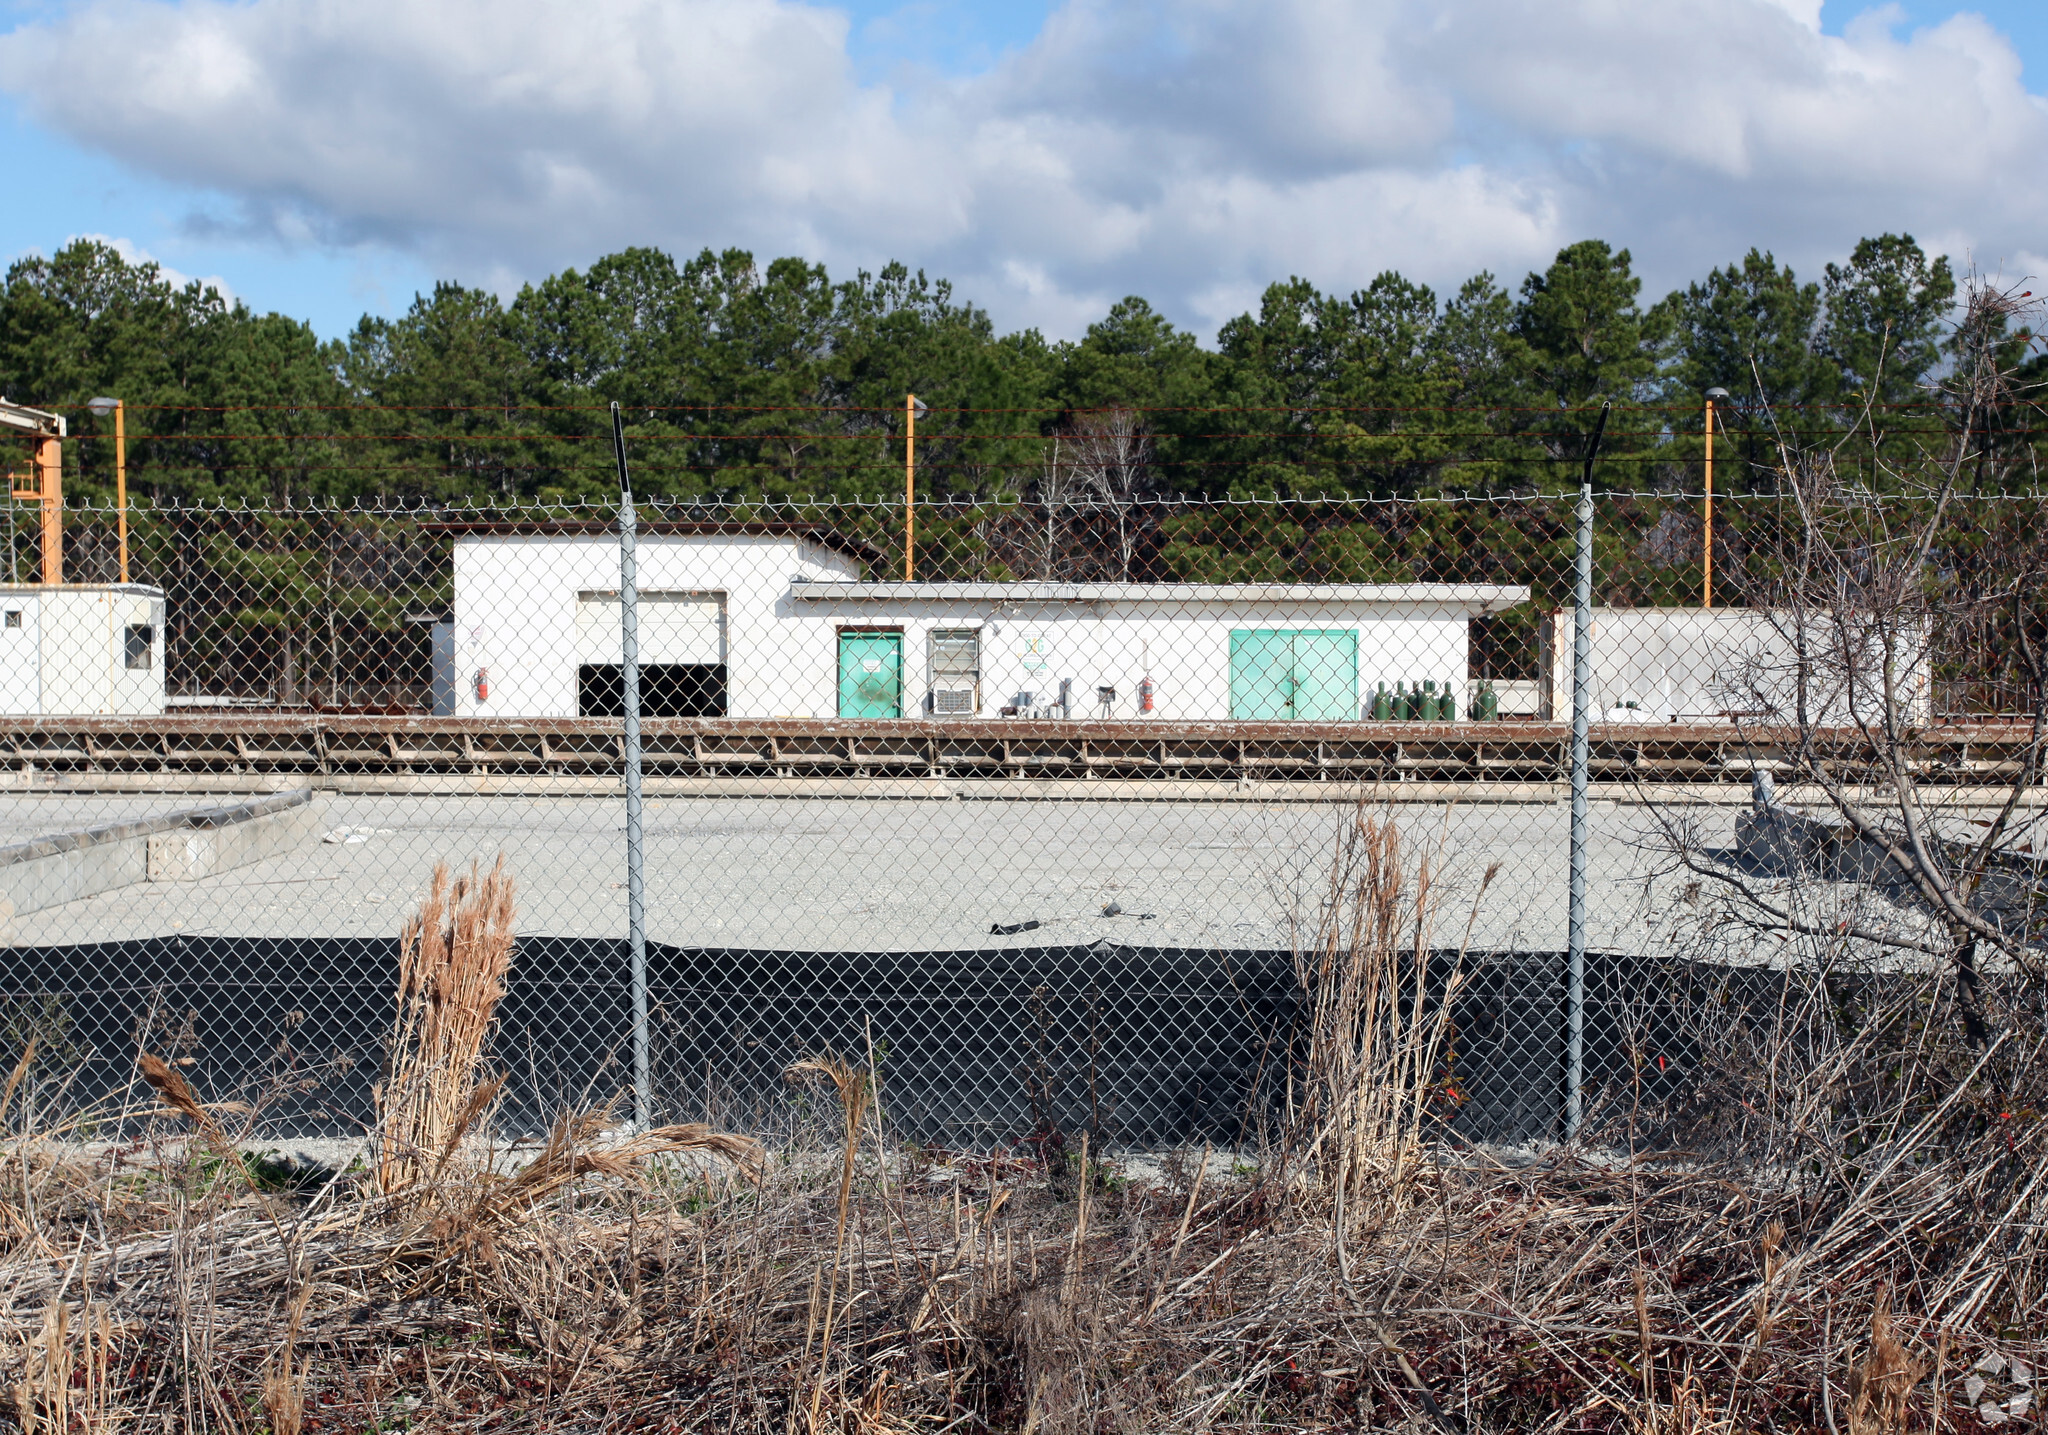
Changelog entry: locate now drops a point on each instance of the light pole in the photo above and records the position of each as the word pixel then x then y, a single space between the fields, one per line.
pixel 913 406
pixel 1714 396
pixel 101 407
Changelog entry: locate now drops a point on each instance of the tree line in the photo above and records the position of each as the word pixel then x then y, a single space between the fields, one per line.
pixel 746 383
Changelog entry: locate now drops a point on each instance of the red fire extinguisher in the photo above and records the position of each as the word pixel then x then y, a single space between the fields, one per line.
pixel 1145 694
pixel 483 684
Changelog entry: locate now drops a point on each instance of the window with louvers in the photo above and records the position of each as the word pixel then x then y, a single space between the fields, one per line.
pixel 955 655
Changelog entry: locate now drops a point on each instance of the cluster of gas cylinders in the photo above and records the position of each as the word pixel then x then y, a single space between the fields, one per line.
pixel 1425 702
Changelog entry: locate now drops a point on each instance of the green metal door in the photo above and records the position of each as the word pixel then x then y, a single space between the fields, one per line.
pixel 1261 674
pixel 1283 673
pixel 1326 675
pixel 871 675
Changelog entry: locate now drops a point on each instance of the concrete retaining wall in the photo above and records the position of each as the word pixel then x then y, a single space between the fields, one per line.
pixel 205 848
pixel 177 847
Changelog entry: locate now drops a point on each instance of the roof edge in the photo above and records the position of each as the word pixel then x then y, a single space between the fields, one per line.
pixel 1484 596
pixel 822 534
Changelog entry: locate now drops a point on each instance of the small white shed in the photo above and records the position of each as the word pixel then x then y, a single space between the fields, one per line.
pixel 78 649
pixel 774 620
pixel 1690 665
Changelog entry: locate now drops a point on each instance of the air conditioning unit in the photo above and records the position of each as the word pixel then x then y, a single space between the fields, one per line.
pixel 953 702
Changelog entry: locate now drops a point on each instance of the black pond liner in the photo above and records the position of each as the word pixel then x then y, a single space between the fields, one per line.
pixel 1144 1046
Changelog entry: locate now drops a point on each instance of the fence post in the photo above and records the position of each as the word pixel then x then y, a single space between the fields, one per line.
pixel 629 703
pixel 1582 702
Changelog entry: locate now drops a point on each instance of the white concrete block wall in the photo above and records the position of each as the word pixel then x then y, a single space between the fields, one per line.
pixel 515 612
pixel 516 605
pixel 1185 644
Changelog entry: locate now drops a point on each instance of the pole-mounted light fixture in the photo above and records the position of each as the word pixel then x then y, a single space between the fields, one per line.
pixel 101 407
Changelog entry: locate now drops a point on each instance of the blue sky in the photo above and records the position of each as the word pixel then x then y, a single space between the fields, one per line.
pixel 953 39
pixel 2024 22
pixel 1047 157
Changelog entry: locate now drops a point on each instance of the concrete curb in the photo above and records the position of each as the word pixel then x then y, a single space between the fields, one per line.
pixel 179 846
pixel 202 850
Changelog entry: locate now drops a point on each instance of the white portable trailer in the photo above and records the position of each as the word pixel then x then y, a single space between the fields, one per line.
pixel 73 649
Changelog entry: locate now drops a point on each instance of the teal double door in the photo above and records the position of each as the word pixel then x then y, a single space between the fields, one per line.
pixel 1303 674
pixel 870 674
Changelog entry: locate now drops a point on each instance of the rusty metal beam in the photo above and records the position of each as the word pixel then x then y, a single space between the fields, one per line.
pixel 320 743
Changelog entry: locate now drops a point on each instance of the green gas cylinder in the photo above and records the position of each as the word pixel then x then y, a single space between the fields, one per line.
pixel 1450 707
pixel 1382 705
pixel 1487 709
pixel 1426 709
pixel 1404 702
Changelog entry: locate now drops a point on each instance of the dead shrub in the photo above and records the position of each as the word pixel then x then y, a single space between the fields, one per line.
pixel 453 957
pixel 1881 1388
pixel 1379 1018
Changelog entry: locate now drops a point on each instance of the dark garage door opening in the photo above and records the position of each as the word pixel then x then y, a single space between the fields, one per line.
pixel 666 690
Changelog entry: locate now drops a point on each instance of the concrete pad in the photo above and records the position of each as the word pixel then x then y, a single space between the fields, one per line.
pixel 820 872
pixel 876 874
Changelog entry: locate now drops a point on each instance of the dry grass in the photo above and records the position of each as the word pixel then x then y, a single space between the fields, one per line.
pixel 1864 1257
pixel 452 962
pixel 1379 1024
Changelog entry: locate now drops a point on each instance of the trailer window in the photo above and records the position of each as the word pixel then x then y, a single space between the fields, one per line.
pixel 138 643
pixel 954 656
pixel 14 617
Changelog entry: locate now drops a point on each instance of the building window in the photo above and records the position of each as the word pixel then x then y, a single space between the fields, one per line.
pixel 14 617
pixel 138 644
pixel 955 659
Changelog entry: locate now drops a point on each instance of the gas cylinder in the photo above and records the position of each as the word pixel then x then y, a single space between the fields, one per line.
pixel 1488 707
pixel 483 684
pixel 1426 709
pixel 1449 712
pixel 1404 702
pixel 1382 705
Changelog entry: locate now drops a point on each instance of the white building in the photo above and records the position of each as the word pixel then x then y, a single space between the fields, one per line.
pixel 81 649
pixel 1689 665
pixel 774 620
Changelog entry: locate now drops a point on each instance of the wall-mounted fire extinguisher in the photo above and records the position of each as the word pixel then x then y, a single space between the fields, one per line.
pixel 483 684
pixel 1145 694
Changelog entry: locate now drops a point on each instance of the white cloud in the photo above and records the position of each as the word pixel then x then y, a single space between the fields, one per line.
pixel 134 253
pixel 1189 152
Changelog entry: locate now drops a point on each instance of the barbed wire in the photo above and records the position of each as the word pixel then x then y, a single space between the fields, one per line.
pixel 1689 406
pixel 469 503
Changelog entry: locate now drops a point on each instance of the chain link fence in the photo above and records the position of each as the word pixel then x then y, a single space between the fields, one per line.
pixel 1032 807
